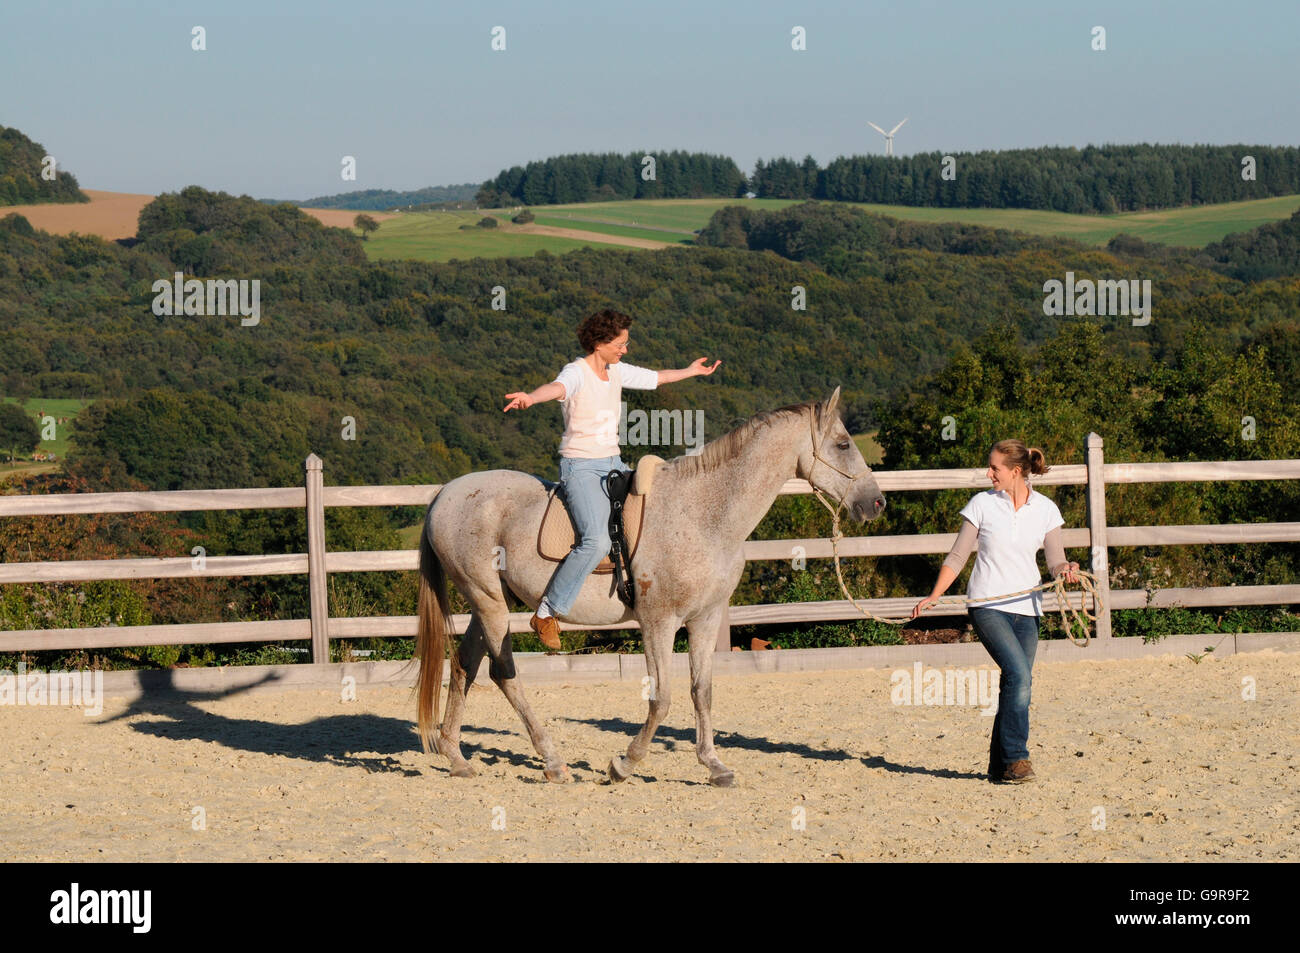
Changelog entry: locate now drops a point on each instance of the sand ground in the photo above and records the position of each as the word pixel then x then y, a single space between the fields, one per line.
pixel 1147 759
pixel 600 238
pixel 114 215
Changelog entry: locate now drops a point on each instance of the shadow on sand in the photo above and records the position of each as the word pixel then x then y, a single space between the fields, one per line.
pixel 175 713
pixel 673 738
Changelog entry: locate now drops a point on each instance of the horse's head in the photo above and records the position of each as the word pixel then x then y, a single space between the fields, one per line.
pixel 833 464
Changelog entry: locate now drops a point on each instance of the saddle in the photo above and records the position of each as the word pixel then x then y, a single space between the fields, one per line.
pixel 627 491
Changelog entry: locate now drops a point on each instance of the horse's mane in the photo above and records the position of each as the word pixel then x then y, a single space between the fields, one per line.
pixel 724 448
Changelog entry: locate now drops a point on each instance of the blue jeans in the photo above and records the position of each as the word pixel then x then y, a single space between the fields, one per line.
pixel 1012 640
pixel 584 494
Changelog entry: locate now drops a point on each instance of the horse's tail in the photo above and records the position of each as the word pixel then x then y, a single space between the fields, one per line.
pixel 431 644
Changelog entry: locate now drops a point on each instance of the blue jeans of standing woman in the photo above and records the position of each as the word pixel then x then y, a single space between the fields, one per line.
pixel 1012 640
pixel 584 493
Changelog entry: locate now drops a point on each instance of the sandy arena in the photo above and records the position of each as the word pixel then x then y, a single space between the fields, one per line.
pixel 1183 767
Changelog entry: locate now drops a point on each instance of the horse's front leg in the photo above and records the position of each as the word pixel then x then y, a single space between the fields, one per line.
pixel 703 640
pixel 657 637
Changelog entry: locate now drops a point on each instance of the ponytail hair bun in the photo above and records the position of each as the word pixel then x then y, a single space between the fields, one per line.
pixel 1030 460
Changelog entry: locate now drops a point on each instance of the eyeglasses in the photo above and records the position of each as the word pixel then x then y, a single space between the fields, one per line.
pixel 621 347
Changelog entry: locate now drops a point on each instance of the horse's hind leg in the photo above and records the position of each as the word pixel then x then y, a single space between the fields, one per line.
pixel 464 666
pixel 502 670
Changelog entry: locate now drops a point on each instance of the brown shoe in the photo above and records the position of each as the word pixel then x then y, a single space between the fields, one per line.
pixel 1018 772
pixel 548 630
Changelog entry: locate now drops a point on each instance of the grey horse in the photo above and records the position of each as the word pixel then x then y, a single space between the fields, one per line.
pixel 481 531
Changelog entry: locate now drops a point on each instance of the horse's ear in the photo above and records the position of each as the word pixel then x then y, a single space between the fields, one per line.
pixel 828 412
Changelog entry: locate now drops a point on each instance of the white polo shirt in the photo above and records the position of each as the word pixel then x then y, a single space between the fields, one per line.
pixel 591 406
pixel 1009 541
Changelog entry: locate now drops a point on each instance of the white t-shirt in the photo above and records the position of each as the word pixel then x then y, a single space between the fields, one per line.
pixel 591 406
pixel 1009 541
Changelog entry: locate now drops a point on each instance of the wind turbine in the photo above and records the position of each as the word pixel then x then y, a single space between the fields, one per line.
pixel 889 136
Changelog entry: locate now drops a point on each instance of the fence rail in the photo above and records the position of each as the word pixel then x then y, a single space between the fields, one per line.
pixel 1097 537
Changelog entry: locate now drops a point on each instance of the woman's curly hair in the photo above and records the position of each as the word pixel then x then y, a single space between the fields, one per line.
pixel 601 328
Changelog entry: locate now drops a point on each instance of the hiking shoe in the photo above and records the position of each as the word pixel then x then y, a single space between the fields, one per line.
pixel 548 630
pixel 1018 772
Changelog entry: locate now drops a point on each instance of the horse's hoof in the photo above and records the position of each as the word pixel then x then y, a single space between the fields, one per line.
pixel 620 769
pixel 726 779
pixel 558 775
pixel 463 770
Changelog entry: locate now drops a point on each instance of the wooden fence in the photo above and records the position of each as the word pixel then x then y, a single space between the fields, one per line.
pixel 314 496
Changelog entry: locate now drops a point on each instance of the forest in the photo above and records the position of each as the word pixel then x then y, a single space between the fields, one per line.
pixel 609 176
pixel 915 322
pixel 1096 179
pixel 1103 179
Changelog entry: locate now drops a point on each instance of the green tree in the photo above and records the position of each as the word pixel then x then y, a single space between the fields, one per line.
pixel 366 224
pixel 18 431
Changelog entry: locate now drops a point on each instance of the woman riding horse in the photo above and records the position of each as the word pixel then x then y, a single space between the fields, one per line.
pixel 590 391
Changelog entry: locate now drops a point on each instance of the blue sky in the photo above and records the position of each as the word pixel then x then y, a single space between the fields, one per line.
pixel 415 93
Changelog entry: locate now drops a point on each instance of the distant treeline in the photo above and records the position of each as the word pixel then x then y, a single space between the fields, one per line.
pixel 1102 179
pixel 1095 179
pixel 610 176
pixel 382 200
pixel 21 163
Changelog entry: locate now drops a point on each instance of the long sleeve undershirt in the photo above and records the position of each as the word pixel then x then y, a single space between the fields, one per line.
pixel 965 545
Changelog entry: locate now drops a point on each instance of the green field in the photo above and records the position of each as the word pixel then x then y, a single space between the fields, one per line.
pixel 871 451
pixel 56 408
pixel 1193 227
pixel 436 236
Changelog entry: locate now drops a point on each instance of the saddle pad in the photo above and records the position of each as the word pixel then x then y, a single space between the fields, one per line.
pixel 556 537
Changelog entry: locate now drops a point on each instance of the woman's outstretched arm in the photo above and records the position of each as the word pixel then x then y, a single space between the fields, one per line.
pixel 697 368
pixel 552 391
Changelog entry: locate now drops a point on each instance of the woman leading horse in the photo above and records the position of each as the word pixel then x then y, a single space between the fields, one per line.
pixel 1011 522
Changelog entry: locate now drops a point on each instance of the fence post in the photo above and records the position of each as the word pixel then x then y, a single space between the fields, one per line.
pixel 724 629
pixel 318 597
pixel 1100 557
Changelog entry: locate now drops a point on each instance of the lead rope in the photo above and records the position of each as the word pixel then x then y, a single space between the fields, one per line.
pixel 1079 617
